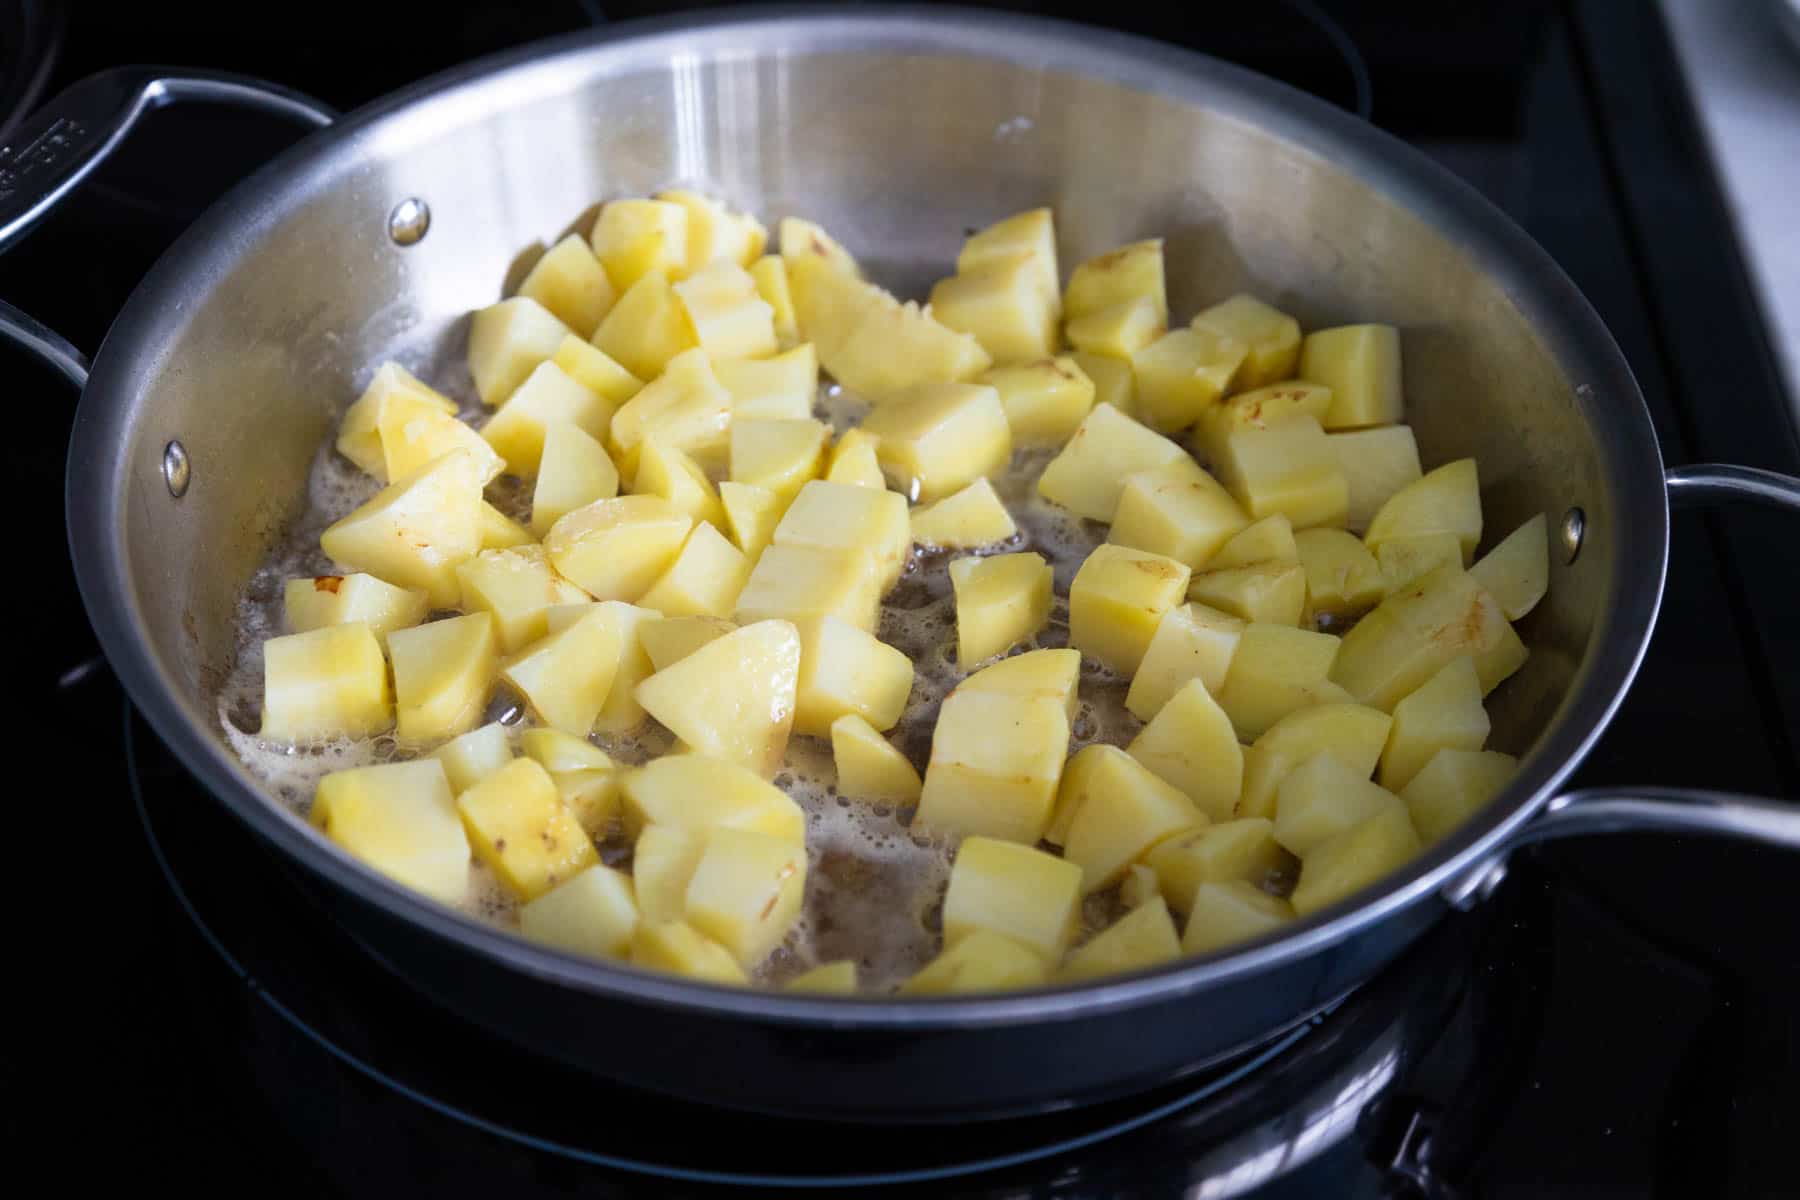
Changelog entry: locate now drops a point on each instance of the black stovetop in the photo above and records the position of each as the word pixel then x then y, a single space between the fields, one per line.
pixel 1618 1020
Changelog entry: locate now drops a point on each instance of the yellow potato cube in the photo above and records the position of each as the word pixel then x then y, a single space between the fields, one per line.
pixel 1322 798
pixel 1270 337
pixel 636 238
pixel 673 476
pixel 996 760
pixel 1089 475
pixel 1289 469
pixel 686 408
pixel 1118 811
pixel 1116 601
pixel 648 328
pixel 1258 409
pixel 770 274
pixel 1361 366
pixel 1516 573
pixel 662 862
pixel 937 438
pixel 704 579
pixel 1191 745
pixel 614 549
pixel 782 456
pixel 1453 786
pixel 1144 937
pixel 803 584
pixel 1229 912
pixel 1184 373
pixel 1052 673
pixel 751 515
pixel 621 710
pixel 566 676
pixel 1003 304
pixel 668 640
pixel 1140 887
pixel 728 318
pixel 570 282
pixel 1405 560
pixel 548 397
pixel 716 234
pixel 1243 849
pixel 692 792
pixel 855 460
pixel 359 437
pixel 1376 463
pixel 1113 381
pixel 416 529
pixel 560 752
pixel 595 370
pixel 829 301
pixel 321 600
pixel 1013 890
pixel 1270 540
pixel 733 698
pixel 869 767
pixel 1444 712
pixel 676 947
pixel 595 913
pixel 1191 641
pixel 1128 273
pixel 413 431
pixel 1120 330
pixel 894 347
pixel 803 239
pixel 501 532
pixel 575 470
pixel 983 961
pixel 967 520
pixel 1000 602
pixel 1352 733
pixel 1342 577
pixel 400 819
pixel 593 796
pixel 844 670
pixel 1276 670
pixel 836 978
pixel 519 827
pixel 745 892
pixel 1446 500
pixel 1044 400
pixel 1176 510
pixel 1411 635
pixel 443 673
pixel 1031 234
pixel 506 342
pixel 1269 593
pixel 328 682
pixel 771 389
pixel 1354 859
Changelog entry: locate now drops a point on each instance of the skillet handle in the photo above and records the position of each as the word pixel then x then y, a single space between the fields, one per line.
pixel 1719 482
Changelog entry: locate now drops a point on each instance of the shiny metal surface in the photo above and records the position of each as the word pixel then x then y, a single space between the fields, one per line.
pixel 1571 532
pixel 44 343
pixel 1714 483
pixel 177 471
pixel 410 221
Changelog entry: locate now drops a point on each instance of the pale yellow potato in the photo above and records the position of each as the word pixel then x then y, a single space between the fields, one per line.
pixel 1120 330
pixel 778 388
pixel 1108 447
pixel 1116 600
pixel 1192 641
pixel 855 460
pixel 1355 859
pixel 1259 408
pixel 1191 745
pixel 506 342
pixel 1453 786
pixel 320 600
pixel 1002 303
pixel 995 763
pixel 1130 272
pixel 670 639
pixel 1031 234
pixel 519 827
pixel 1242 849
pixel 1270 540
pixel 770 274
pixel 1140 886
pixel 443 673
pixel 745 891
pixel 678 948
pixel 1406 559
pixel 566 676
pixel 1287 468
pixel 560 752
pixel 1143 937
pixel 1411 635
pixel 966 520
pixel 548 396
pixel 1176 510
pixel 1342 577
pixel 845 670
pixel 593 796
pixel 696 793
pixel 829 302
pixel 413 431
pixel 1269 593
pixel 596 371
pixel 662 861
pixel 499 531
pixel 635 238
pixel 1445 500
pixel 1352 733
pixel 614 549
pixel 1517 571
pixel 572 285
pixel 1120 812
pixel 1275 671
pixel 1445 712
pixel 803 239
pixel 471 757
pixel 1054 673
pixel 1113 381
pixel 1271 338
pixel 1231 911
pixel 751 515
pixel 715 233
pixel 673 476
pixel 840 516
pixel 704 580
pixel 517 588
pixel 1016 891
pixel 1322 798
pixel 401 819
pixel 327 682
pixel 983 961
pixel 938 438
pixel 1361 366
pixel 1045 399
pixel 1001 600
pixel 416 529
pixel 836 978
pixel 733 698
pixel 868 765
pixel 595 914
pixel 1376 463
pixel 1183 374
pixel 804 584
pixel 685 406
pixel 575 470
pixel 892 347
pixel 727 316
pixel 359 439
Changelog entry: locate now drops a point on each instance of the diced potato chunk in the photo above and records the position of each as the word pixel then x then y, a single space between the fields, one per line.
pixel 1113 381
pixel 414 431
pixel 570 282
pixel 1243 849
pixel 614 549
pixel 1184 373
pixel 1269 593
pixel 1128 273
pixel 1190 744
pixel 983 961
pixel 895 347
pixel 838 516
pixel 566 675
pixel 1005 888
pixel 662 862
pixel 1453 786
pixel 518 588
pixel 1191 641
pixel 829 301
pixel 1342 577
pixel 836 978
pixel 1140 887
pixel 685 407
pixel 1001 601
pixel 647 329
pixel 635 238
pixel 1089 475
pixel 1444 712
pixel 704 579
pixel 1232 911
pixel 1413 633
pixel 672 475
pixel 558 752
pixel 1517 571
pixel 415 530
pixel 728 318
pixel 547 397
pixel 1031 234
pixel 1116 600
pixel 501 532
pixel 771 389
pixel 770 274
pixel 745 892
pixel 1270 540
pixel 595 370
pixel 1275 671
pixel 1405 560
pixel 506 341
pixel 995 762
pixel 845 670
pixel 716 234
pixel 1120 330
pixel 400 819
pixel 1355 859
pixel 575 470
pixel 1322 798
pixel 474 755
pixel 733 698
pixel 593 796
pixel 668 640
pixel 1271 338
pixel 1053 673
pixel 938 438
pixel 1118 813
pixel 1143 937
pixel 1352 733
pixel 677 947
pixel 803 584
pixel 595 914
pixel 1044 400
pixel 1446 500
pixel 328 682
pixel 621 710
pixel 1288 468
pixel 443 673
pixel 855 460
pixel 359 437
pixel 689 791
pixel 317 601
pixel 869 767
pixel 967 520
pixel 520 828
pixel 1176 510
pixel 1361 366
pixel 751 515
pixel 1260 408
pixel 803 239
pixel 1376 463
pixel 1003 304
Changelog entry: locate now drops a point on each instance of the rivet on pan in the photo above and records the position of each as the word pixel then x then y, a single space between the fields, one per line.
pixel 176 472
pixel 1574 527
pixel 409 221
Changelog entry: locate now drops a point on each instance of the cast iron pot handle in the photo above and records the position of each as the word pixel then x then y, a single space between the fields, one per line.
pixel 55 149
pixel 1651 809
